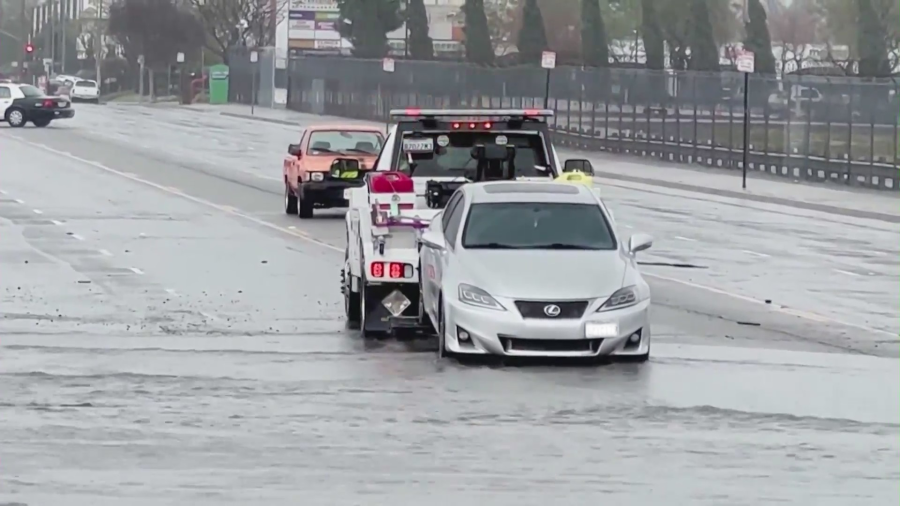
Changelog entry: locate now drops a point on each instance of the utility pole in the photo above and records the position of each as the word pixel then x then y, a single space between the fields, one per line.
pixel 64 11
pixel 98 46
pixel 25 39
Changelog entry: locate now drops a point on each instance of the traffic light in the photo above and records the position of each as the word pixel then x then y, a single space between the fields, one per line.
pixel 29 48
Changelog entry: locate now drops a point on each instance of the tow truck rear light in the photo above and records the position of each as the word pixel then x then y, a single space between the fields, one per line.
pixel 399 206
pixel 413 112
pixel 393 270
pixel 456 126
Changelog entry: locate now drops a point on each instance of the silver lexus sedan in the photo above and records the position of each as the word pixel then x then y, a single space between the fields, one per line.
pixel 533 269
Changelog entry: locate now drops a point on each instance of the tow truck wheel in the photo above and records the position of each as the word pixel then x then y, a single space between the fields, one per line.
pixel 290 201
pixel 441 330
pixel 304 207
pixel 351 299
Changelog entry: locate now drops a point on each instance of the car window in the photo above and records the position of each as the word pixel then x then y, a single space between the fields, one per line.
pixel 31 91
pixel 451 205
pixel 329 142
pixel 453 155
pixel 519 225
pixel 452 225
pixel 4 92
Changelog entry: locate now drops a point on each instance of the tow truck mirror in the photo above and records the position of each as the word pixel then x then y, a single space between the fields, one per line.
pixel 294 150
pixel 579 165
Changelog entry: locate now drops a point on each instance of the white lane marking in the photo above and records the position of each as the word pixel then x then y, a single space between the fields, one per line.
pixel 688 239
pixel 57 222
pixel 172 292
pixel 77 237
pixel 306 237
pixel 19 201
pixel 2 192
pixel 847 273
pixel 135 270
pixel 263 176
pixel 292 227
pixel 105 253
pixel 38 211
pixel 627 226
pixel 776 307
pixel 754 253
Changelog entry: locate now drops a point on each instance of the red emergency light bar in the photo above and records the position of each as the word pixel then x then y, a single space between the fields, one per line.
pixel 458 113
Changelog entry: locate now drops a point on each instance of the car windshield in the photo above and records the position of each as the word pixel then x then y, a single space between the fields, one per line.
pixel 31 91
pixel 453 155
pixel 538 226
pixel 86 84
pixel 329 142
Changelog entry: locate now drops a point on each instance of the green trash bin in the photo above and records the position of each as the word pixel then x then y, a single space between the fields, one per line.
pixel 218 84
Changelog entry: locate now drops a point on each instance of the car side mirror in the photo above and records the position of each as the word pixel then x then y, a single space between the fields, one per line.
pixel 433 239
pixel 639 242
pixel 294 150
pixel 579 165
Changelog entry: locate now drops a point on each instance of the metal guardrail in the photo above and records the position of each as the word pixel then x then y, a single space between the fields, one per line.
pixel 812 128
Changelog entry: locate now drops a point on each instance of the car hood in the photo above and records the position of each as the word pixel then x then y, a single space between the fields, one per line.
pixel 319 163
pixel 543 274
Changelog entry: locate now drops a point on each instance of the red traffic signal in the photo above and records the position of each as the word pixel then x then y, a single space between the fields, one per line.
pixel 29 48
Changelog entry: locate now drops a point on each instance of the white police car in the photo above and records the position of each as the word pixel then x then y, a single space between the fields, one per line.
pixel 23 103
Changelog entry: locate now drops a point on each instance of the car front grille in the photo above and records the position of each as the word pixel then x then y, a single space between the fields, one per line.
pixel 568 310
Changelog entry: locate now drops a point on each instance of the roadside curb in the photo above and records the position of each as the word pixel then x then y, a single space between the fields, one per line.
pixel 258 118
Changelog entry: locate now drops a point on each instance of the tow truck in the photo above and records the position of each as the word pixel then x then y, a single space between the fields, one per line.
pixel 426 157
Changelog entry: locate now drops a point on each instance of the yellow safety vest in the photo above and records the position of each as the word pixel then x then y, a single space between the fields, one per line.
pixel 575 177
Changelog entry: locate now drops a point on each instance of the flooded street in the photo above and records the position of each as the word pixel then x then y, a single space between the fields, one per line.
pixel 170 337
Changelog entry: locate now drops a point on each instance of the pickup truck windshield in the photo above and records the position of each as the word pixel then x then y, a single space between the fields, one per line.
pixel 453 155
pixel 330 142
pixel 518 225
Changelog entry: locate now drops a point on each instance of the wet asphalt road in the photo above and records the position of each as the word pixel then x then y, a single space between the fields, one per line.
pixel 169 337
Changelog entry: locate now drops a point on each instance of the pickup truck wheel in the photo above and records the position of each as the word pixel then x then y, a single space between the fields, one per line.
pixel 305 208
pixel 290 201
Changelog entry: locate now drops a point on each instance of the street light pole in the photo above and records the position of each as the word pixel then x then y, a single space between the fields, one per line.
pixel 98 47
pixel 64 11
pixel 406 31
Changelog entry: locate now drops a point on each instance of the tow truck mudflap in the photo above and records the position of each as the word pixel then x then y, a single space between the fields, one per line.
pixel 380 320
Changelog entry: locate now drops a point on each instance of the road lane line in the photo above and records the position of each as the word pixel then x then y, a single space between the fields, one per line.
pixel 210 316
pixel 57 222
pixel 38 211
pixel 172 292
pixel 19 201
pixel 688 239
pixel 135 270
pixel 105 253
pixel 77 237
pixel 295 233
pixel 754 253
pixel 2 192
pixel 848 273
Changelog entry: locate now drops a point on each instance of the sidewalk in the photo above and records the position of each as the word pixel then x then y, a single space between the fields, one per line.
pixel 823 197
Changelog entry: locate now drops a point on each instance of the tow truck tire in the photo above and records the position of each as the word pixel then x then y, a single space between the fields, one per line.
pixel 441 330
pixel 15 117
pixel 290 201
pixel 304 207
pixel 352 309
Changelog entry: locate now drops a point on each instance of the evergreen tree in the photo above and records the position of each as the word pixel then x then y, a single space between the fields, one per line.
pixel 594 46
pixel 366 23
pixel 421 47
pixel 532 39
pixel 872 42
pixel 654 45
pixel 479 48
pixel 758 39
pixel 704 51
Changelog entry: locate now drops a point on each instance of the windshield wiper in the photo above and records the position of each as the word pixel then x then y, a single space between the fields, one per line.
pixel 493 245
pixel 559 245
pixel 358 151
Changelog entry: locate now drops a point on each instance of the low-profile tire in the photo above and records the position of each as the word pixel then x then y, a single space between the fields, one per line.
pixel 41 123
pixel 304 207
pixel 441 330
pixel 15 117
pixel 290 201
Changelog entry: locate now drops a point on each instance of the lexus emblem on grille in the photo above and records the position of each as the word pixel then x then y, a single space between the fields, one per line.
pixel 552 310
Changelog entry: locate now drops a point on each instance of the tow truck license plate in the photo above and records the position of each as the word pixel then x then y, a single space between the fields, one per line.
pixel 418 145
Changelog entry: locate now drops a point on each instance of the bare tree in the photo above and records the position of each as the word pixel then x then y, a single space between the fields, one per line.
pixel 231 23
pixel 795 30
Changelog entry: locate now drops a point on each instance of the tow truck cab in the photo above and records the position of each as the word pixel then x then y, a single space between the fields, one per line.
pixel 434 147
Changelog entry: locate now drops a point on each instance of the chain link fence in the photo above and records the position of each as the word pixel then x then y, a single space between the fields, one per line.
pixel 802 127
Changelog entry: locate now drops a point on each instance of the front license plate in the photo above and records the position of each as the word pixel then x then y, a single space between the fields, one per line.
pixel 350 174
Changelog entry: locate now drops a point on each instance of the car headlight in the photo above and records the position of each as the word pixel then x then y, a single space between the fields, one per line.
pixel 474 296
pixel 316 176
pixel 621 298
